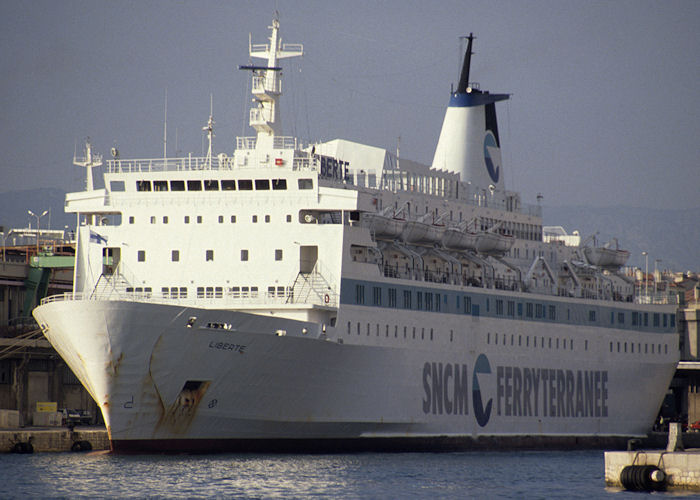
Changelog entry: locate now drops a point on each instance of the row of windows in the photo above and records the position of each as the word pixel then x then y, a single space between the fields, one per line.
pixel 208 255
pixel 425 301
pixel 199 219
pixel 214 185
pixel 431 301
pixel 524 341
pixel 213 292
pixel 388 331
pixel 648 348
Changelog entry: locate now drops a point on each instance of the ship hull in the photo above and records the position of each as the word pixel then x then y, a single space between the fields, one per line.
pixel 165 382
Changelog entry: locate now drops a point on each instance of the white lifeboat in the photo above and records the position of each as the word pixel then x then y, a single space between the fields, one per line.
pixel 455 239
pixel 607 258
pixel 492 243
pixel 420 232
pixel 383 227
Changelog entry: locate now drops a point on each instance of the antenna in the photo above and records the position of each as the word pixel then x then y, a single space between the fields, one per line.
pixel 209 129
pixel 165 127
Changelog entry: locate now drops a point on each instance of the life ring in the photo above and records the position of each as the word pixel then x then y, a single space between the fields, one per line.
pixel 326 299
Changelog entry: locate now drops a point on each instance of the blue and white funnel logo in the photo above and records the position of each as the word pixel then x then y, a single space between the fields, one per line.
pixel 492 156
pixel 482 414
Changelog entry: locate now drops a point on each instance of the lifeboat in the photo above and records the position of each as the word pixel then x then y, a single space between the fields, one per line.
pixel 419 232
pixel 491 243
pixel 605 257
pixel 456 239
pixel 385 228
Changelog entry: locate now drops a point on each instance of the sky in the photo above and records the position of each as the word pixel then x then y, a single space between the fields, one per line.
pixel 604 108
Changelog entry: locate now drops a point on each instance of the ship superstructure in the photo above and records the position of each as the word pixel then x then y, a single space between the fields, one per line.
pixel 336 294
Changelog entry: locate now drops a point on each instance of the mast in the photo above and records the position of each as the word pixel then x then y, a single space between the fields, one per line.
pixel 265 117
pixel 209 129
pixel 89 161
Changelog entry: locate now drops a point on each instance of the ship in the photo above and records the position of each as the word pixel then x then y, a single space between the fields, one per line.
pixel 335 296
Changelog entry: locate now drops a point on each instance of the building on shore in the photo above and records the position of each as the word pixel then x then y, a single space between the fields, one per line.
pixel 35 264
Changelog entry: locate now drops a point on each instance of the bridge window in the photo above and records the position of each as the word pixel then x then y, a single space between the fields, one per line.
pixel 211 185
pixel 194 185
pixel 279 184
pixel 262 184
pixel 305 184
pixel 143 185
pixel 177 185
pixel 160 185
pixel 228 185
pixel 245 185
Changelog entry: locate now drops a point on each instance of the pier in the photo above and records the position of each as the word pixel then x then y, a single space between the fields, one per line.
pixel 56 439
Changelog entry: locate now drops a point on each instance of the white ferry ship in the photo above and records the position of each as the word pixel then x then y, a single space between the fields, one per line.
pixel 335 296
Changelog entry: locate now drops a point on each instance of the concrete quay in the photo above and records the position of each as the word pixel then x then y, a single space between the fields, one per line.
pixel 56 439
pixel 674 468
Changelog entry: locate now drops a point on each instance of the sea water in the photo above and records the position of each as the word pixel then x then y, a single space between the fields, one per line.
pixel 541 474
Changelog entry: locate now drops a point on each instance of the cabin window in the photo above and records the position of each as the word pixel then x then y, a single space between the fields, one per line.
pixel 228 185
pixel 175 255
pixel 233 219
pixel 552 312
pixel 160 185
pixel 376 296
pixel 392 297
pixel 141 256
pixel 267 218
pixel 262 184
pixel 199 219
pixel 591 315
pixel 211 185
pixel 407 299
pixel 209 255
pixel 255 219
pixel 177 185
pixel 187 219
pixel 194 185
pixel 279 184
pixel 278 254
pixel 244 255
pixel 165 219
pixel 143 185
pixel 221 219
pixel 289 218
pixel 359 294
pixel 153 219
pixel 131 219
pixel 621 318
pixel 245 185
pixel 306 183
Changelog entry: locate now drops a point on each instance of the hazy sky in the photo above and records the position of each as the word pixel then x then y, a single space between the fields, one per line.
pixel 605 106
